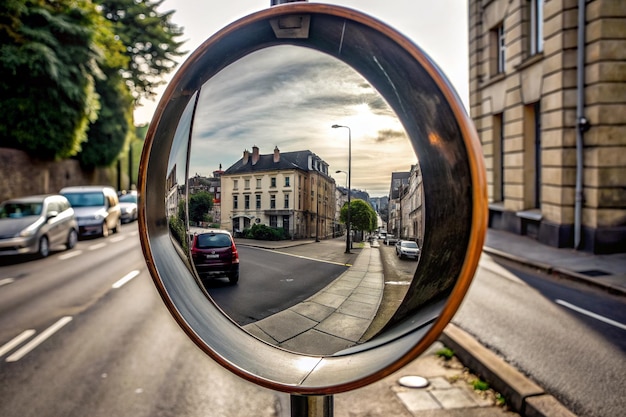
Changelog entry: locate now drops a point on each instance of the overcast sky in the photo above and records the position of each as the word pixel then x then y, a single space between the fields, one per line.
pixel 316 100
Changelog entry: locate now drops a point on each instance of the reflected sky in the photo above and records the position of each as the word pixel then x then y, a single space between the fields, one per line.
pixel 289 97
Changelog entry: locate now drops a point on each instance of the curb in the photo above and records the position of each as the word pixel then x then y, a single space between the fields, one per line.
pixel 523 395
pixel 552 270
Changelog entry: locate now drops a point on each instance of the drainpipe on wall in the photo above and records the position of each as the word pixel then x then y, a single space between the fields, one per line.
pixel 582 123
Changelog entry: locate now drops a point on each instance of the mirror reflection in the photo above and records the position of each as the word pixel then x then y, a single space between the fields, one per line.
pixel 278 143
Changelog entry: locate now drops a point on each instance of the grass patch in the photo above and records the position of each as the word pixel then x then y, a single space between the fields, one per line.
pixel 445 353
pixel 480 385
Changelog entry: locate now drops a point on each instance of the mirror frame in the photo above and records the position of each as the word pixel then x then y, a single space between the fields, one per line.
pixel 203 321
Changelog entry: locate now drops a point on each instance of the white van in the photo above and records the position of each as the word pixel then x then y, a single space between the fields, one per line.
pixel 96 208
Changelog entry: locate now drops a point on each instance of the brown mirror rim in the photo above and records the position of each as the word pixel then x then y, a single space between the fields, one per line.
pixel 205 324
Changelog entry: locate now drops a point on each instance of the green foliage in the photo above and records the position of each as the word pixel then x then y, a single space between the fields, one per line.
pixel 362 215
pixel 199 206
pixel 480 385
pixel 263 232
pixel 177 227
pixel 149 37
pixel 47 75
pixel 445 353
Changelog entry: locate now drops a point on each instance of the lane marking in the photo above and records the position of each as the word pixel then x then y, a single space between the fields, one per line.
pixel 591 314
pixel 42 337
pixel 125 279
pixel 17 340
pixel 298 256
pixel 117 238
pixel 69 255
pixel 397 283
pixel 97 246
pixel 6 281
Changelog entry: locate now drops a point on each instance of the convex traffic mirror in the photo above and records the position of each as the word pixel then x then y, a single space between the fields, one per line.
pixel 275 119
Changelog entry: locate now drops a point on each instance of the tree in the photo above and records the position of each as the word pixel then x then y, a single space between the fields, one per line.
pixel 48 65
pixel 200 204
pixel 362 215
pixel 149 37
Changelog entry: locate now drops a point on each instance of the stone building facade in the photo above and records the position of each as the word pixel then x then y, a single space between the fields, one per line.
pixel 548 98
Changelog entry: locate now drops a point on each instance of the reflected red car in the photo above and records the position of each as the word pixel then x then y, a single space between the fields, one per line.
pixel 214 254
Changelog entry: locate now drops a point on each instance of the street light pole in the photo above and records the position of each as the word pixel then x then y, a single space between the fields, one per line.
pixel 348 245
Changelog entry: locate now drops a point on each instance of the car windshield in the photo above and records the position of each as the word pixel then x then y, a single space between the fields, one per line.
pixel 212 240
pixel 85 199
pixel 17 210
pixel 128 198
pixel 409 245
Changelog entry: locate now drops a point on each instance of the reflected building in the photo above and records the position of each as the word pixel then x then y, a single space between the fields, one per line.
pixel 406 205
pixel 289 190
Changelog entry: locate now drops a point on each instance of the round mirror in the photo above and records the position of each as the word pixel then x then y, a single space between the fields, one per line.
pixel 264 138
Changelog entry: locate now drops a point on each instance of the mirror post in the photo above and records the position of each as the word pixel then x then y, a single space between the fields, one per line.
pixel 348 242
pixel 312 406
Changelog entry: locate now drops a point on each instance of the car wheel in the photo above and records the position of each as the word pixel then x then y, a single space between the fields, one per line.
pixel 233 278
pixel 105 229
pixel 44 248
pixel 72 238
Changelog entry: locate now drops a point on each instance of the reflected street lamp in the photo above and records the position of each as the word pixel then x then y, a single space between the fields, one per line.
pixel 349 185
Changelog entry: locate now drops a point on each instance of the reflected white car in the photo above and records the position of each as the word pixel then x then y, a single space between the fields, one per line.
pixel 407 249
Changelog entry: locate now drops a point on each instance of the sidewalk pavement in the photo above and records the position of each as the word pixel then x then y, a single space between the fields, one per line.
pixel 449 392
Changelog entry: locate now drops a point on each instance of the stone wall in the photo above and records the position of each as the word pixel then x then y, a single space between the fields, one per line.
pixel 22 175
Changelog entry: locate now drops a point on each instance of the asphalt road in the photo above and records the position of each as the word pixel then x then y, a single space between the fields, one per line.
pixel 565 336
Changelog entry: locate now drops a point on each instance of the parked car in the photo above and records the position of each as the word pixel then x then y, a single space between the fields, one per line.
pixel 214 254
pixel 390 239
pixel 128 206
pixel 407 249
pixel 35 224
pixel 97 209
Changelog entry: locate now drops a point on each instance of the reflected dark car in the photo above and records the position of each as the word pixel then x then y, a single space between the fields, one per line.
pixel 35 224
pixel 214 254
pixel 407 249
pixel 128 205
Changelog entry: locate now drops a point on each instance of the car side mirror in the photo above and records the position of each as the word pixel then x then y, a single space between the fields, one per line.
pixel 329 61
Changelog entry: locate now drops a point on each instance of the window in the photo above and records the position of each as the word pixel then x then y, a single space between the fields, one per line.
pixel 497 50
pixel 258 201
pixel 235 202
pixel 247 202
pixel 536 26
pixel 235 184
pixel 258 183
pixel 274 221
pixel 286 223
pixel 498 157
pixel 273 182
pixel 286 201
pixel 272 201
pixel 247 184
pixel 287 182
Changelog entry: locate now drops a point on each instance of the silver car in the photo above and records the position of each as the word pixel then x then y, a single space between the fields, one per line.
pixel 35 224
pixel 407 249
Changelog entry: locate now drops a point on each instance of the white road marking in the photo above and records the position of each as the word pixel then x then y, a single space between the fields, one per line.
pixel 97 246
pixel 125 279
pixel 397 283
pixel 6 281
pixel 592 315
pixel 42 337
pixel 117 238
pixel 300 256
pixel 16 341
pixel 69 255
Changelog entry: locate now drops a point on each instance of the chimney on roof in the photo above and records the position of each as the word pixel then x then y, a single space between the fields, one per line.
pixel 255 154
pixel 276 154
pixel 246 156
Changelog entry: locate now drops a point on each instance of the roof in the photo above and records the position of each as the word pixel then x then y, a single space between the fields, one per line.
pixel 288 160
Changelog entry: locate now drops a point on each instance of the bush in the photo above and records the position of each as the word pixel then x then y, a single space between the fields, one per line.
pixel 263 232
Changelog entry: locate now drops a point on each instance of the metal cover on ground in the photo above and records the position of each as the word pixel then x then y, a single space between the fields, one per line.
pixel 412 381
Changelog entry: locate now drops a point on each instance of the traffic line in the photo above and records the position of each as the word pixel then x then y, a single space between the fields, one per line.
pixel 16 341
pixel 117 239
pixel 6 281
pixel 69 255
pixel 125 279
pixel 42 337
pixel 97 246
pixel 591 314
pixel 301 257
